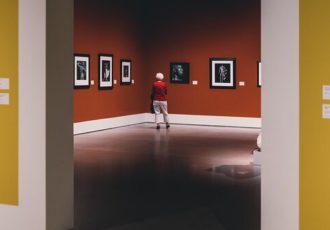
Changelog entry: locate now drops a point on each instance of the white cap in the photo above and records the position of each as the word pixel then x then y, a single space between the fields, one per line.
pixel 159 76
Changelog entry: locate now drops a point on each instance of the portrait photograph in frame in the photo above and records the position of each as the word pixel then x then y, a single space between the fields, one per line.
pixel 105 71
pixel 259 73
pixel 179 72
pixel 125 72
pixel 81 71
pixel 223 73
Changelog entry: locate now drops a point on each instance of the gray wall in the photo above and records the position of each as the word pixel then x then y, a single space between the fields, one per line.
pixel 59 107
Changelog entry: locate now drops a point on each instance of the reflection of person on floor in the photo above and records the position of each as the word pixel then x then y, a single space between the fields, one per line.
pixel 159 92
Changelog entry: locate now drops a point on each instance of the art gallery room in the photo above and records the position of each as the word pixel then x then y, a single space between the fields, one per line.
pixel 80 148
pixel 197 174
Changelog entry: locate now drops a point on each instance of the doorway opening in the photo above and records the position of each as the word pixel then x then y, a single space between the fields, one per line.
pixel 198 169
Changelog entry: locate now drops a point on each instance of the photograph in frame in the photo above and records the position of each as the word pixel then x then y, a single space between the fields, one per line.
pixel 259 73
pixel 81 71
pixel 179 72
pixel 105 71
pixel 125 72
pixel 223 73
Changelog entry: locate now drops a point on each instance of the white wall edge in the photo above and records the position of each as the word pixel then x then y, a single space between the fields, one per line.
pixel 280 113
pixel 108 123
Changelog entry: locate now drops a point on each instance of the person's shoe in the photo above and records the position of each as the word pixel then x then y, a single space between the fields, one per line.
pixel 167 126
pixel 158 127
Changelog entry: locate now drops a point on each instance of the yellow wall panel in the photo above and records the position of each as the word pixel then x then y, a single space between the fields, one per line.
pixel 9 113
pixel 314 131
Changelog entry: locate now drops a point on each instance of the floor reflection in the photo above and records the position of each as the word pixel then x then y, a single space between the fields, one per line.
pixel 137 173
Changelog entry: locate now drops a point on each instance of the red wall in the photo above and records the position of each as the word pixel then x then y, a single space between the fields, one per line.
pixel 155 33
pixel 103 26
pixel 195 32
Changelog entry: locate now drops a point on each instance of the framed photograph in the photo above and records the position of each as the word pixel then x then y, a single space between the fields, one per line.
pixel 259 73
pixel 81 71
pixel 105 71
pixel 125 72
pixel 223 73
pixel 179 72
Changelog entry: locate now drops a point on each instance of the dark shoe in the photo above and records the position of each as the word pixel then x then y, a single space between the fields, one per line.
pixel 158 127
pixel 167 126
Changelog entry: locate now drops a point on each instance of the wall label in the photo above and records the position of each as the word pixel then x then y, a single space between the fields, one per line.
pixel 326 111
pixel 326 92
pixel 4 83
pixel 4 98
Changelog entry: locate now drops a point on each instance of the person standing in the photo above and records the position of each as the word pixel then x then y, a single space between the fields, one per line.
pixel 159 93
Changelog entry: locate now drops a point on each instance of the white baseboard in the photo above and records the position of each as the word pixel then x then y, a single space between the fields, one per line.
pixel 248 122
pixel 101 124
pixel 108 123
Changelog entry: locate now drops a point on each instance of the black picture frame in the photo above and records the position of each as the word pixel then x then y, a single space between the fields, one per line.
pixel 222 73
pixel 125 71
pixel 105 71
pixel 259 75
pixel 179 72
pixel 81 71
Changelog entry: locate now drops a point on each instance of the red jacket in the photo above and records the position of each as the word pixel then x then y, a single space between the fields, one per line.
pixel 159 91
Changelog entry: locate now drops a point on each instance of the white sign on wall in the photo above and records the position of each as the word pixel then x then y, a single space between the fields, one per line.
pixel 4 83
pixel 326 92
pixel 4 98
pixel 326 111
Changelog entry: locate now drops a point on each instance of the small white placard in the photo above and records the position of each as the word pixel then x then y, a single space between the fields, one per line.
pixel 326 111
pixel 241 83
pixel 195 82
pixel 4 98
pixel 326 92
pixel 115 82
pixel 132 81
pixel 4 83
pixel 92 82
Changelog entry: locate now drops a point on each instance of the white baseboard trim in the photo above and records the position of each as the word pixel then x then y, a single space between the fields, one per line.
pixel 248 122
pixel 108 123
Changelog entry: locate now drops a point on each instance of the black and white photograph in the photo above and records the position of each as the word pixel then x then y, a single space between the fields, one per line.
pixel 259 74
pixel 105 71
pixel 81 71
pixel 125 72
pixel 222 73
pixel 179 72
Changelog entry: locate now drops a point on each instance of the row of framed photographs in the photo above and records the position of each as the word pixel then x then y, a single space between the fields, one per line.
pixel 222 73
pixel 105 79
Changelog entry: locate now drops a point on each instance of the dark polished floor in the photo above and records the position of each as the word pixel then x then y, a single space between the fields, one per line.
pixel 130 175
